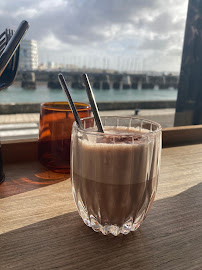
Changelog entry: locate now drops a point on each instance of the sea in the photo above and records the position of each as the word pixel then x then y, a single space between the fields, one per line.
pixel 16 94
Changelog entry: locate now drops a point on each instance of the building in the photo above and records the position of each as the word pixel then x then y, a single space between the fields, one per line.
pixel 51 65
pixel 28 55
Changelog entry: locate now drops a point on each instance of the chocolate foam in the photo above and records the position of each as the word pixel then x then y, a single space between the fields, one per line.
pixel 119 160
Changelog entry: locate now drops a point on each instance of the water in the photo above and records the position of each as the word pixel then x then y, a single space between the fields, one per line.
pixel 17 94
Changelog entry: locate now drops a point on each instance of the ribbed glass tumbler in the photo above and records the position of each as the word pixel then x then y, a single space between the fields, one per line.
pixel 115 174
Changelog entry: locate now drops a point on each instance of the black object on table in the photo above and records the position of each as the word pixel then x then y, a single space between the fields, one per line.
pixel 2 175
pixel 9 60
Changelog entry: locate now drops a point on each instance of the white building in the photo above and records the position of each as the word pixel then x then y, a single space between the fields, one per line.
pixel 51 65
pixel 28 55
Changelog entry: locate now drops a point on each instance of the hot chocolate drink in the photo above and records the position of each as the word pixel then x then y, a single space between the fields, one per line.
pixel 114 176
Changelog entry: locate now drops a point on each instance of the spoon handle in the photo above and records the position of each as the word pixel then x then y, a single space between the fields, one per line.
pixel 71 103
pixel 93 103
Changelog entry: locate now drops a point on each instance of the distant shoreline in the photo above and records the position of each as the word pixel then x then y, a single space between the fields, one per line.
pixel 12 108
pixel 18 83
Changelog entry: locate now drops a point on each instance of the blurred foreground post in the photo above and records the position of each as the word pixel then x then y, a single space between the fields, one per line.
pixel 189 100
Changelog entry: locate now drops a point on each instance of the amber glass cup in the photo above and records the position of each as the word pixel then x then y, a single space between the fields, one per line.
pixel 55 128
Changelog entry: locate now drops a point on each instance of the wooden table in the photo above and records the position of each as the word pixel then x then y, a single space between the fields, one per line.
pixel 41 229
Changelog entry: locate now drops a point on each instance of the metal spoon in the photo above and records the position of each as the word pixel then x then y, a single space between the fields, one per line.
pixel 93 103
pixel 71 103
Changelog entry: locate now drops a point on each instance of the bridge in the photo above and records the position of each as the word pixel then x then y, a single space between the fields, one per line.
pixel 103 80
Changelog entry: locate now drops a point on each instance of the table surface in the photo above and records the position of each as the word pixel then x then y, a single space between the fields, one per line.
pixel 41 229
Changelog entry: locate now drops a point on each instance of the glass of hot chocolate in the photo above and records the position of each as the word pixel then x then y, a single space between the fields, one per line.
pixel 115 174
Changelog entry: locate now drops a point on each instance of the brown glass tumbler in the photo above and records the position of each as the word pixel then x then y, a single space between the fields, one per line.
pixel 55 128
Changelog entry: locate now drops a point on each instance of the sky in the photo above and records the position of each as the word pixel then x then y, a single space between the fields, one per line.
pixel 130 35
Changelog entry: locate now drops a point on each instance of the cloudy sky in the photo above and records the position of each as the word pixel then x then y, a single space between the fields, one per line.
pixel 120 34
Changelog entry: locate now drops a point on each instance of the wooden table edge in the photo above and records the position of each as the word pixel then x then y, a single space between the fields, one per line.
pixel 182 135
pixel 27 149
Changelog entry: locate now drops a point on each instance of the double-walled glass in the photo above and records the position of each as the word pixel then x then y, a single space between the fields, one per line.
pixel 114 175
